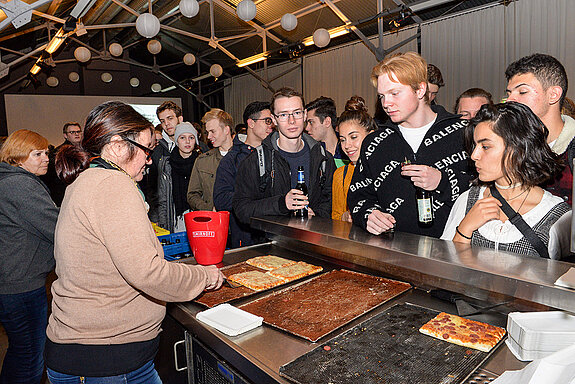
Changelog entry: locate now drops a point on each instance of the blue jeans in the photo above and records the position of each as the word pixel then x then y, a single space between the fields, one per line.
pixel 146 374
pixel 24 317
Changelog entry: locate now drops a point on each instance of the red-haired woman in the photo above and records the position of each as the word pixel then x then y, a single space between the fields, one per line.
pixel 27 221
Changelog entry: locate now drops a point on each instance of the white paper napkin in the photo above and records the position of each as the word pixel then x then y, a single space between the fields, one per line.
pixel 558 368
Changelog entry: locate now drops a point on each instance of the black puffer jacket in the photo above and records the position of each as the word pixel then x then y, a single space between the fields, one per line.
pixel 255 197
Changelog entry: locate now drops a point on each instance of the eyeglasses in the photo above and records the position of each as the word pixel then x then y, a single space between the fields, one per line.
pixel 74 132
pixel 267 120
pixel 147 151
pixel 284 116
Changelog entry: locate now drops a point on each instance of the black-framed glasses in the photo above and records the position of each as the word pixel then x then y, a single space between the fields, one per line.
pixel 284 116
pixel 74 132
pixel 267 120
pixel 147 151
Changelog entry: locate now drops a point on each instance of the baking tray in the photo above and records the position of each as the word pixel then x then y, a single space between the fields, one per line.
pixel 226 293
pixel 316 307
pixel 387 348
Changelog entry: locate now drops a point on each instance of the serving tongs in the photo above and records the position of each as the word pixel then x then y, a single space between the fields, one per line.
pixel 466 309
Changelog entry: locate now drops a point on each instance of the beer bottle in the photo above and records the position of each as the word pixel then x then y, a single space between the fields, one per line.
pixel 424 207
pixel 302 187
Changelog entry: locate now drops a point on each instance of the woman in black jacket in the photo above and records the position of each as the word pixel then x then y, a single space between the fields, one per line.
pixel 27 221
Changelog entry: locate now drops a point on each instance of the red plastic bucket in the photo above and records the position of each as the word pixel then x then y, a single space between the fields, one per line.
pixel 208 234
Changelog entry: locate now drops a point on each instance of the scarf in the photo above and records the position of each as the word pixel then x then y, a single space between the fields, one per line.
pixel 181 171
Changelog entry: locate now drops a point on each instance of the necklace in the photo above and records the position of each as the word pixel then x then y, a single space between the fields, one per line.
pixel 512 186
pixel 121 170
pixel 515 197
pixel 525 199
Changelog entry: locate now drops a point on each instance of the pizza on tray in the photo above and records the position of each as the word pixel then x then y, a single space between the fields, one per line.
pixel 464 332
pixel 269 262
pixel 256 280
pixel 295 271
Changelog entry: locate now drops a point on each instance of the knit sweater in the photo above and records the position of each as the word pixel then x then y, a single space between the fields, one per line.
pixel 113 281
pixel 378 184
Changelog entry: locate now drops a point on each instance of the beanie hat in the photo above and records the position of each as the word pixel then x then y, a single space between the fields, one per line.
pixel 185 127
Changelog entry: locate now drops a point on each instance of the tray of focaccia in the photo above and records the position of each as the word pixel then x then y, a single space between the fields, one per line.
pixel 255 275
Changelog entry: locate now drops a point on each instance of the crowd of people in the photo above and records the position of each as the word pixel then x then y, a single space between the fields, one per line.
pixel 499 176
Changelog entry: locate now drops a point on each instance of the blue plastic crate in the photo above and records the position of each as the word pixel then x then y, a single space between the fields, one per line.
pixel 176 246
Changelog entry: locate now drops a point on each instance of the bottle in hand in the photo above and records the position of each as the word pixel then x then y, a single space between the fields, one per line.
pixel 302 187
pixel 424 207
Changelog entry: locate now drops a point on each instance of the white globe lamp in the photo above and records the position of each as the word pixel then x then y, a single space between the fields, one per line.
pixel 156 87
pixel 246 10
pixel 189 59
pixel 154 47
pixel 106 77
pixel 216 70
pixel 147 25
pixel 82 54
pixel 288 22
pixel 321 37
pixel 134 82
pixel 52 81
pixel 73 77
pixel 116 49
pixel 189 8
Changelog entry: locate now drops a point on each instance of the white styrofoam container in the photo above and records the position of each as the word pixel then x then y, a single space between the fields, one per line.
pixel 542 331
pixel 230 320
pixel 525 354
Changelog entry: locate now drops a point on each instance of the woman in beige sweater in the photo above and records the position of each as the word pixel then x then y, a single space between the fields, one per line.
pixel 113 282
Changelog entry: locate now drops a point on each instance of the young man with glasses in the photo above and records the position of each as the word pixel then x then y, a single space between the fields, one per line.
pixel 258 120
pixel 420 146
pixel 273 192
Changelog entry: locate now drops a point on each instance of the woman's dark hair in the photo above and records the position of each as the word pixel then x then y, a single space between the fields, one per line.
pixel 104 121
pixel 527 158
pixel 356 110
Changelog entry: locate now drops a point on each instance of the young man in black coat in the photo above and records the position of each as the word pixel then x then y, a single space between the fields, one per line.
pixel 383 188
pixel 273 192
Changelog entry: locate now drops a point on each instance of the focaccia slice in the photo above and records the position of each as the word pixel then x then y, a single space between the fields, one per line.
pixel 464 332
pixel 295 271
pixel 269 262
pixel 256 280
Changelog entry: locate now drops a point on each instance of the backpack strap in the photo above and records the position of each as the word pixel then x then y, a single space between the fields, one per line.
pixel 322 178
pixel 265 169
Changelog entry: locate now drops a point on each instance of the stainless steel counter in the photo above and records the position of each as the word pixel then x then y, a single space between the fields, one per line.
pixel 426 262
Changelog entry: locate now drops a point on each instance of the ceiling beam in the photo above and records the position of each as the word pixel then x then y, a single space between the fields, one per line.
pixel 18 13
pixel 54 6
pixel 258 28
pixel 299 13
pixel 355 29
pixel 20 33
pixel 124 6
pixel 49 17
pixel 415 18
